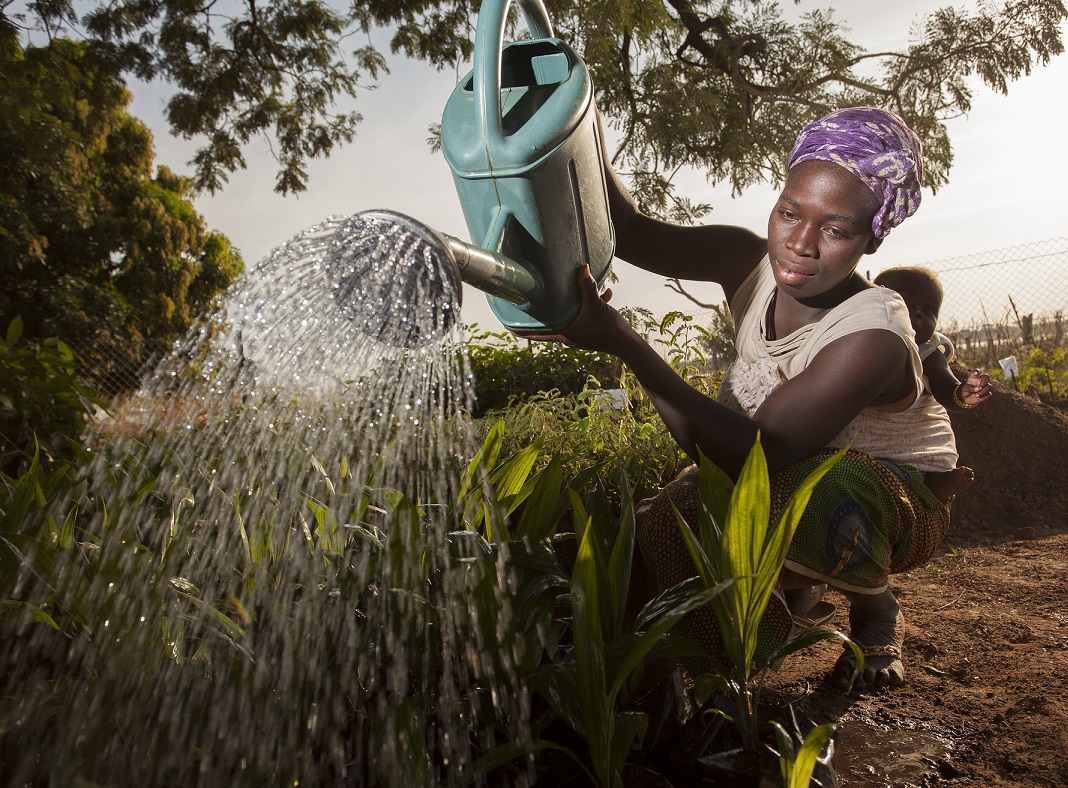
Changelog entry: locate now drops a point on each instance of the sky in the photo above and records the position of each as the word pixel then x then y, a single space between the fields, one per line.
pixel 1006 186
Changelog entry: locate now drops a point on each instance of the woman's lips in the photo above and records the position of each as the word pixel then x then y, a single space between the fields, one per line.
pixel 789 275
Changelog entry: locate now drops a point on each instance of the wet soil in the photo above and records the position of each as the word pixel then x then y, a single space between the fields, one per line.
pixel 986 653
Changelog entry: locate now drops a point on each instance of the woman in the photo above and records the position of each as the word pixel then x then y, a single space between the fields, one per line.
pixel 822 354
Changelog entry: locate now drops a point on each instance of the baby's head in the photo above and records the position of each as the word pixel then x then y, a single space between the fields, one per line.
pixel 921 291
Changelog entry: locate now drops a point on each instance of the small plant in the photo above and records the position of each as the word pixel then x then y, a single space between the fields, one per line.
pixel 591 692
pixel 797 763
pixel 1043 373
pixel 583 651
pixel 736 540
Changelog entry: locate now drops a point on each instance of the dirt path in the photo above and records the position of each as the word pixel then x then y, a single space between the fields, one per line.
pixel 986 651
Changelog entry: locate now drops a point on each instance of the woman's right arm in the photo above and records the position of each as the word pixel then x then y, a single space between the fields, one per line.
pixel 718 253
pixel 800 416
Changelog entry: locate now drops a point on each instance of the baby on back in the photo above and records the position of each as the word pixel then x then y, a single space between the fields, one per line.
pixel 922 293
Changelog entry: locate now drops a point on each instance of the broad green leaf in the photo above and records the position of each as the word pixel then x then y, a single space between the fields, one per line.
pixel 667 600
pixel 603 535
pixel 508 478
pixel 796 505
pixel 805 638
pixel 537 556
pixel 816 740
pixel 242 531
pixel 628 726
pixel 747 521
pixel 232 628
pixel 716 488
pixel 706 569
pixel 558 684
pixel 595 708
pixel 648 639
pixel 485 457
pixel 670 645
pixel 577 483
pixel 320 510
pixel 539 519
pixel 620 563
pixel 797 765
pixel 21 506
pixel 786 752
pixel 708 684
pixel 66 533
pixel 795 508
pixel 14 331
pixel 31 613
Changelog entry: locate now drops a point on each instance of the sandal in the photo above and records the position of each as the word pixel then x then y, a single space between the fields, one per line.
pixel 890 651
pixel 820 614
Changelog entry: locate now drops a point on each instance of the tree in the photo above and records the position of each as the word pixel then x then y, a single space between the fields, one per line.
pixel 722 86
pixel 94 248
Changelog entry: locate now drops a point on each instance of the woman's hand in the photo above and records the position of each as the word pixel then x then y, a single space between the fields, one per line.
pixel 597 326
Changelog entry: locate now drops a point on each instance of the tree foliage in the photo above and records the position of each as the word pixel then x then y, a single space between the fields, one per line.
pixel 721 86
pixel 94 248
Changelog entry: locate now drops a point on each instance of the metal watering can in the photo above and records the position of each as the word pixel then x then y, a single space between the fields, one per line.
pixel 520 134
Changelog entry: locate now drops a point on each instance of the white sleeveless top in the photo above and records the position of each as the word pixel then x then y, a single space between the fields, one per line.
pixel 908 435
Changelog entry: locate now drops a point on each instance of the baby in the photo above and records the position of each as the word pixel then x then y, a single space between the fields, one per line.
pixel 922 294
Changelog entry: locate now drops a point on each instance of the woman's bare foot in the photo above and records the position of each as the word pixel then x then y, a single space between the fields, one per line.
pixel 877 626
pixel 946 484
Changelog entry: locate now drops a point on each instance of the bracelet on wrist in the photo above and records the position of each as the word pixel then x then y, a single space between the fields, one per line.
pixel 961 403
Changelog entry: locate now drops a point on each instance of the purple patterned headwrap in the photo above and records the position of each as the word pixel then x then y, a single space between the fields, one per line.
pixel 876 146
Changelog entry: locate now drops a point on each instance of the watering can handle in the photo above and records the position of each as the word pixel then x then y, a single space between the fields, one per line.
pixel 489 42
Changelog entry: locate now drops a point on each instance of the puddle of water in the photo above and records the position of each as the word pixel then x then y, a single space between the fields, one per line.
pixel 870 757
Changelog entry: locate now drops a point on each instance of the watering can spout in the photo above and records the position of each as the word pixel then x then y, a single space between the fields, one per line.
pixel 494 273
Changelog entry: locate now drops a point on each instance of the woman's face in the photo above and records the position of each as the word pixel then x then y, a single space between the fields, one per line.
pixel 819 229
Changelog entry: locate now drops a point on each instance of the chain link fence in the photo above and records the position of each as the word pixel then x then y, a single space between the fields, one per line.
pixel 116 370
pixel 997 303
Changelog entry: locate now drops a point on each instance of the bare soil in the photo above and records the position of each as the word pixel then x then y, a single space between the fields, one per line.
pixel 986 653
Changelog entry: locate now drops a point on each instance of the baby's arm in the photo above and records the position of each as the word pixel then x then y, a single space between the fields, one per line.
pixel 951 392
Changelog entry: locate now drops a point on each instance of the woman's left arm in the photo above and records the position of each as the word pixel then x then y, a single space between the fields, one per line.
pixel 859 370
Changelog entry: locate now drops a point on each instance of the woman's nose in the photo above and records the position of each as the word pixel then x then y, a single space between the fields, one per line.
pixel 802 240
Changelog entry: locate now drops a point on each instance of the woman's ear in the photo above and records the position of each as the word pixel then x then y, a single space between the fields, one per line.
pixel 873 245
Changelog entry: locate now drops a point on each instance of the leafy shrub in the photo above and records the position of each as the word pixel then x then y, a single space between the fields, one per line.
pixel 1045 373
pixel 508 370
pixel 41 403
pixel 583 432
pixel 570 414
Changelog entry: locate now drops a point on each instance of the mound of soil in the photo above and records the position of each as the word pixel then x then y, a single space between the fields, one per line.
pixel 1018 448
pixel 986 650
